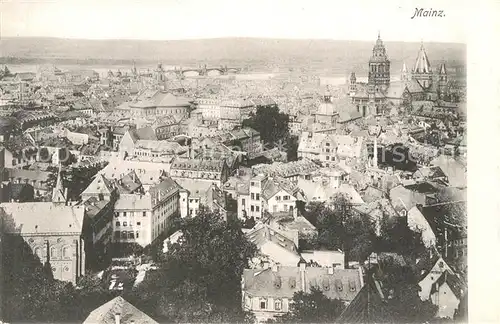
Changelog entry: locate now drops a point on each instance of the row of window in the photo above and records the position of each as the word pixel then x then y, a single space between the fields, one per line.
pixel 127 224
pixel 126 235
pixel 255 196
pixel 54 252
pixel 254 208
pixel 285 198
pixel 124 214
pixel 278 304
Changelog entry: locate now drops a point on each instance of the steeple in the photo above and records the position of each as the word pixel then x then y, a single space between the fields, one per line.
pixel 404 73
pixel 422 64
pixel 442 69
pixel 59 193
pixel 422 71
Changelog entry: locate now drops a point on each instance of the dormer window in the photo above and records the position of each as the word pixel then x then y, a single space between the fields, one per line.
pixel 352 286
pixel 338 284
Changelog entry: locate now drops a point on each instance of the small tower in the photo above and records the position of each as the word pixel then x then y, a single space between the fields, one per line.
pixel 352 84
pixel 59 193
pixel 443 80
pixel 404 73
pixel 422 71
pixel 134 69
pixel 379 68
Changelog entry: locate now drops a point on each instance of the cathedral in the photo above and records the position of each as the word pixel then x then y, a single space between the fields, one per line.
pixel 381 94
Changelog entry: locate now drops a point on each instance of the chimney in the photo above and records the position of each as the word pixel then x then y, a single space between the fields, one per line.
pixel 265 265
pixel 275 268
pixel 330 270
pixel 117 318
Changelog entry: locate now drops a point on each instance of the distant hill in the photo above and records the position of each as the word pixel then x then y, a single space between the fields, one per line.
pixel 258 53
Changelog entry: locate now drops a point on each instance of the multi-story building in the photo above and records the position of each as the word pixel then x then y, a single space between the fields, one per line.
pixel 268 292
pixel 98 230
pixel 141 218
pixel 329 149
pixel 210 108
pixel 207 170
pixel 268 194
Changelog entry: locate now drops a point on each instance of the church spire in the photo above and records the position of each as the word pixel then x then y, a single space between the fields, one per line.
pixel 422 65
pixel 59 193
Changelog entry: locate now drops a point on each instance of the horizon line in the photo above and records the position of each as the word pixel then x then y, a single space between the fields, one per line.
pixel 226 38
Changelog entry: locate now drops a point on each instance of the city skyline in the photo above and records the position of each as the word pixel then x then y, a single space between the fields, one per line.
pixel 192 19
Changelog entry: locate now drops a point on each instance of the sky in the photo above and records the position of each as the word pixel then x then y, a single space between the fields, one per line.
pixel 195 19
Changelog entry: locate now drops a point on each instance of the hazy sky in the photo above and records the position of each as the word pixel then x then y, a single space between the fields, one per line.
pixel 184 19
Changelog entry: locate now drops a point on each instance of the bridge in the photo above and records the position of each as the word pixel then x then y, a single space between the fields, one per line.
pixel 204 71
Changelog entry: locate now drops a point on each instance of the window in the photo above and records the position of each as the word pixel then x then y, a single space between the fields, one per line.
pixel 243 202
pixel 278 198
pixel 327 144
pixel 252 184
pixel 251 208
pixel 117 223
pixel 138 223
pixel 136 234
pixel 257 208
pixel 257 197
pixel 327 158
pixel 286 197
pixel 124 213
pixel 124 223
pixel 117 214
pixel 143 214
pixel 263 303
pixel 327 150
pixel 252 195
pixel 53 252
pixel 65 252
pixel 278 304
pixel 38 252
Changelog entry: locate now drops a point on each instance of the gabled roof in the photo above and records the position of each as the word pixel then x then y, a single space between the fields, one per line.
pixel 100 185
pixel 105 314
pixel 457 286
pixel 367 307
pixel 343 284
pixel 43 217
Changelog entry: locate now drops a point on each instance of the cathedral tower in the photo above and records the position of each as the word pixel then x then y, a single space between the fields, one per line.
pixel 352 84
pixel 422 71
pixel 379 73
pixel 443 81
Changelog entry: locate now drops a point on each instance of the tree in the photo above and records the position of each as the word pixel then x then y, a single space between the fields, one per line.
pixel 313 307
pixel 397 237
pixel 339 227
pixel 270 123
pixel 76 179
pixel 401 288
pixel 200 277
